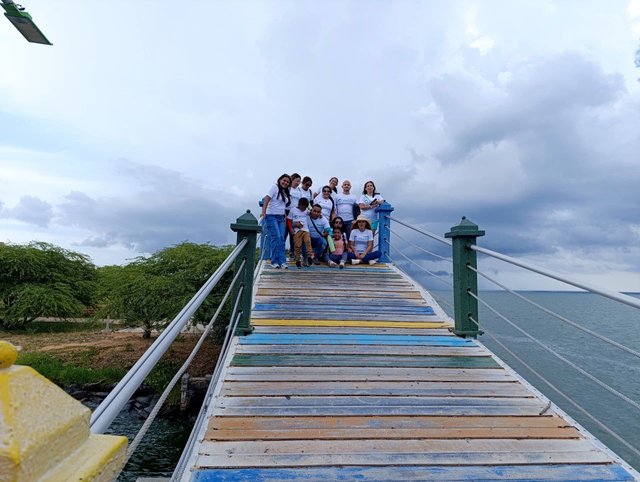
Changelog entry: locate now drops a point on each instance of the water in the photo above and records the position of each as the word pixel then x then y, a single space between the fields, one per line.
pixel 617 368
pixel 161 448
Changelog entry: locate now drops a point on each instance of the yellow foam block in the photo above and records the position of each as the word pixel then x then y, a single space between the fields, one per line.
pixel 41 426
pixel 355 323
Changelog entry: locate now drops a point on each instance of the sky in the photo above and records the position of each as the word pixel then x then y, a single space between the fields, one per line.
pixel 150 123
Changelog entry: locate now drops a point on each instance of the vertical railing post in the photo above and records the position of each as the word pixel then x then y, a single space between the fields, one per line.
pixel 464 280
pixel 246 226
pixel 384 231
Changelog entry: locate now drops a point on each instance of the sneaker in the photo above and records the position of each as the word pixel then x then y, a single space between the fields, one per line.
pixel 341 264
pixel 355 261
pixel 373 261
pixel 298 264
pixel 309 261
pixel 275 266
pixel 316 261
pixel 284 266
pixel 332 264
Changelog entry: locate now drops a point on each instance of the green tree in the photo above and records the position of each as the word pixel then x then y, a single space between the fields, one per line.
pixel 40 279
pixel 150 291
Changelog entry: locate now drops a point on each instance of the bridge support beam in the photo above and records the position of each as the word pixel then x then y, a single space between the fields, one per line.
pixel 384 231
pixel 465 281
pixel 246 226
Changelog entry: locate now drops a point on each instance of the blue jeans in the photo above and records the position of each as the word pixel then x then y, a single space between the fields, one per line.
pixel 275 228
pixel 318 245
pixel 367 257
pixel 338 258
pixel 346 228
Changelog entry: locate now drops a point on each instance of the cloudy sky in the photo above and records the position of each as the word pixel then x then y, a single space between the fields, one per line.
pixel 149 123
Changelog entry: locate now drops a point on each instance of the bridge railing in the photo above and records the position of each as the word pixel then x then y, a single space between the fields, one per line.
pixel 464 283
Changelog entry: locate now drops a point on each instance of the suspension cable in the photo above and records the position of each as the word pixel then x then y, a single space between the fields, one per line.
pixel 557 355
pixel 423 269
pixel 420 248
pixel 158 405
pixel 556 315
pixel 561 393
pixel 626 299
pixel 443 301
pixel 426 233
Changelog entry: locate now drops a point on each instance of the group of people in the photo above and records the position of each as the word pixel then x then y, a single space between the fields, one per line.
pixel 325 226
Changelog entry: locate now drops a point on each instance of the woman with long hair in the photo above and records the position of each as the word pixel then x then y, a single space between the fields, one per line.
pixel 368 203
pixel 326 202
pixel 275 202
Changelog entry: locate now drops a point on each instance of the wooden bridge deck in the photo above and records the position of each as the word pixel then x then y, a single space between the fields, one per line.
pixel 352 375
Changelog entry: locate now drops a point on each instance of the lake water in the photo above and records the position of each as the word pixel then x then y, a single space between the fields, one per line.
pixel 161 449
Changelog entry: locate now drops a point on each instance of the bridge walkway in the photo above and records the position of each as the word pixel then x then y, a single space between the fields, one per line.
pixel 353 375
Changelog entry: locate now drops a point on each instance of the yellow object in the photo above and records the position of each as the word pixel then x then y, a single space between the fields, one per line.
pixel 44 433
pixel 361 323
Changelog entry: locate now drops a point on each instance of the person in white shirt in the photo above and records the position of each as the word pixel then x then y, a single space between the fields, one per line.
pixel 361 242
pixel 344 206
pixel 333 184
pixel 275 203
pixel 294 190
pixel 300 231
pixel 318 230
pixel 326 202
pixel 368 203
pixel 305 189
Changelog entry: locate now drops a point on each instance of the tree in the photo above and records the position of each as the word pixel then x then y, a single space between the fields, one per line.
pixel 40 279
pixel 150 291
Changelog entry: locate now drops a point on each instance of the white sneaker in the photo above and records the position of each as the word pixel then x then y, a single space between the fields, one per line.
pixel 341 264
pixel 332 264
pixel 284 266
pixel 275 266
pixel 373 261
pixel 355 261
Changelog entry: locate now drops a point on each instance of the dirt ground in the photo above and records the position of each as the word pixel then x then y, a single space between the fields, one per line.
pixel 121 349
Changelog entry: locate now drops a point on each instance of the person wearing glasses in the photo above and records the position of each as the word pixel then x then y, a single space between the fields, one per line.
pixel 326 202
pixel 368 203
pixel 275 202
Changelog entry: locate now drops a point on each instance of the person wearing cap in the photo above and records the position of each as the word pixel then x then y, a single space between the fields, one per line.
pixel 361 242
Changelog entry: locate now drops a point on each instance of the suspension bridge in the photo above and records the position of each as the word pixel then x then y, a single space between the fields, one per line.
pixel 358 374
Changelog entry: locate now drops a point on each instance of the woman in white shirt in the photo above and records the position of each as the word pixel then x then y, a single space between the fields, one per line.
pixel 361 242
pixel 326 202
pixel 369 201
pixel 275 202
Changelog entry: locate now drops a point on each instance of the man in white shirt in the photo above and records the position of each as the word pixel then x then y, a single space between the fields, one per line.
pixel 344 206
pixel 318 227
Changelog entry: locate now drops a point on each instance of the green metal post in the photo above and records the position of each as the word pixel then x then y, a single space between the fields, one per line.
pixel 246 226
pixel 464 280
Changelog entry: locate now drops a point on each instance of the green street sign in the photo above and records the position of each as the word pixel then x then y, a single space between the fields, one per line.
pixel 23 22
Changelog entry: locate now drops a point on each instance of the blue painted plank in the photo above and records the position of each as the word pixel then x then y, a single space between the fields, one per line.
pixel 353 339
pixel 423 310
pixel 565 473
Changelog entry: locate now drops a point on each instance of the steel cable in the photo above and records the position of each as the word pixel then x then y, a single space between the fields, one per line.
pixel 426 233
pixel 420 248
pixel 424 269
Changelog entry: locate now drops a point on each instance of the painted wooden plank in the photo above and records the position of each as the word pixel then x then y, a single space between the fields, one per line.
pixel 350 323
pixel 346 309
pixel 355 339
pixel 338 316
pixel 354 329
pixel 391 446
pixel 538 473
pixel 423 389
pixel 383 459
pixel 401 410
pixel 364 361
pixel 375 434
pixel 321 303
pixel 404 293
pixel 267 373
pixel 377 401
pixel 386 422
pixel 363 350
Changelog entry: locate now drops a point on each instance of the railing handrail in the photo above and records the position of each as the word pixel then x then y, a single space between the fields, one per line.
pixel 614 295
pixel 111 406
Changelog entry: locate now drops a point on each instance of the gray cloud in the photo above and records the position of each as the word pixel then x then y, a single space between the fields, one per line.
pixel 29 209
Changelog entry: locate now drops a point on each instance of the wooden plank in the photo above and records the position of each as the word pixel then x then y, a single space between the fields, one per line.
pixel 363 350
pixel 367 373
pixel 423 389
pixel 354 402
pixel 323 290
pixel 407 433
pixel 365 316
pixel 344 310
pixel 350 323
pixel 364 361
pixel 338 329
pixel 537 473
pixel 386 422
pixel 356 339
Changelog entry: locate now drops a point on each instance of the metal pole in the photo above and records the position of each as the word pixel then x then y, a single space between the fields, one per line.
pixel 246 227
pixel 465 281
